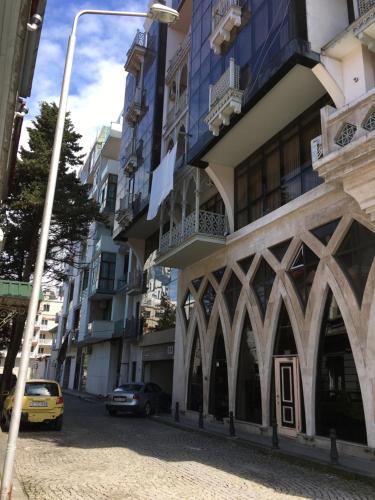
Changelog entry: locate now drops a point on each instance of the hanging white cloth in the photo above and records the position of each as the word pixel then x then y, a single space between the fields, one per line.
pixel 162 183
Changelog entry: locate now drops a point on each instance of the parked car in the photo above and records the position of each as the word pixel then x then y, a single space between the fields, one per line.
pixel 42 402
pixel 138 397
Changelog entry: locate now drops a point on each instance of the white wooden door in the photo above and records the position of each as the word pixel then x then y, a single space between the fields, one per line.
pixel 287 390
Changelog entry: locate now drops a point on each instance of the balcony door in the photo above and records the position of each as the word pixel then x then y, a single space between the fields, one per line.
pixel 287 391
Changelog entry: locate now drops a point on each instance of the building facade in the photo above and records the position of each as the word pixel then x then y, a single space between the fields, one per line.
pixel 45 334
pixel 270 217
pixel 264 247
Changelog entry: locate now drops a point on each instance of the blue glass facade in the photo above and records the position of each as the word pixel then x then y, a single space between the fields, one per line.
pixel 149 129
pixel 273 34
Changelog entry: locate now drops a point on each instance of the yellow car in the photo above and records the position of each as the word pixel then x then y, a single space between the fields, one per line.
pixel 42 402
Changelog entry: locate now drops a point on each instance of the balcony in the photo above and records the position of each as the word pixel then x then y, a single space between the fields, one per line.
pixel 132 329
pixel 178 59
pixel 225 99
pixel 47 342
pixel 130 158
pixel 196 237
pixel 122 284
pixel 136 53
pixel 136 108
pixel 364 6
pixel 226 15
pixel 345 153
pixel 125 214
pixel 100 330
pixel 135 283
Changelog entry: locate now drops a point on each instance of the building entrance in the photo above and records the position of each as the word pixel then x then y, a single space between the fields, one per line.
pixel 287 391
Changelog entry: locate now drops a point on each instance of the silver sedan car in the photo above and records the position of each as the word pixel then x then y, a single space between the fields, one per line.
pixel 141 398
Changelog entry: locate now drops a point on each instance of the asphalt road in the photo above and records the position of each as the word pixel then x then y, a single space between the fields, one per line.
pixel 96 456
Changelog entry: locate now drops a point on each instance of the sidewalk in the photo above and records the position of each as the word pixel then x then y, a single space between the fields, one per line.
pixel 85 396
pixel 287 447
pixel 18 492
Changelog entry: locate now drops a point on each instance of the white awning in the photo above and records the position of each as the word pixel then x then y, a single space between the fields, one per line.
pixel 162 182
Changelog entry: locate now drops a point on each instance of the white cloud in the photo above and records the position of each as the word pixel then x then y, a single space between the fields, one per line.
pixel 98 78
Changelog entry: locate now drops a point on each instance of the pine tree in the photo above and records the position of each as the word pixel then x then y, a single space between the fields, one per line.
pixel 21 215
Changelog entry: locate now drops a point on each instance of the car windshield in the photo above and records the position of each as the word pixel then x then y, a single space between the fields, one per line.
pixel 129 388
pixel 41 389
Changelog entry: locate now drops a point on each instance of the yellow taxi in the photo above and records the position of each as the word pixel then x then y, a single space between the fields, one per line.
pixel 42 402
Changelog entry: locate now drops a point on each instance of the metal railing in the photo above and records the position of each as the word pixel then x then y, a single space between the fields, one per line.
pixel 140 39
pixel 135 281
pixel 229 80
pixel 122 283
pixel 364 6
pixel 221 9
pixel 207 223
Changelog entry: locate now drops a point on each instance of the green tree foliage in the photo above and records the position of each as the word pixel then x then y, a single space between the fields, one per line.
pixel 167 310
pixel 21 214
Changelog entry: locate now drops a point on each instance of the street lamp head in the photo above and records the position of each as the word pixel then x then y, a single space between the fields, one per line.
pixel 163 14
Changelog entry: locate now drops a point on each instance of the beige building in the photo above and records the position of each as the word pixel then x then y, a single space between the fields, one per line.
pixel 45 333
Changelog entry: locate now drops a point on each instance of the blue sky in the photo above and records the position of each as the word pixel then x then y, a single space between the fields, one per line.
pixel 98 79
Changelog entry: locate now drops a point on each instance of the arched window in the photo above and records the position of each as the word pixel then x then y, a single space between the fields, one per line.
pixel 338 394
pixel 181 142
pixel 219 378
pixel 248 393
pixel 170 145
pixel 195 388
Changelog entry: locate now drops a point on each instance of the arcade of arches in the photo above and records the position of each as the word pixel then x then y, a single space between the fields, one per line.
pixel 282 334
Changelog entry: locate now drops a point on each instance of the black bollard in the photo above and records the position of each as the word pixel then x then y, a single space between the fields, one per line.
pixel 177 412
pixel 232 431
pixel 275 436
pixel 200 418
pixel 333 454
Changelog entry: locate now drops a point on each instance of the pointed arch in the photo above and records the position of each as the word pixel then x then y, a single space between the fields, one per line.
pixel 248 386
pixel 219 387
pixel 339 402
pixel 195 380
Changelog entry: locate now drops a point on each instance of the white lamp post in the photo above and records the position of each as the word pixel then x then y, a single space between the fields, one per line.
pixel 157 12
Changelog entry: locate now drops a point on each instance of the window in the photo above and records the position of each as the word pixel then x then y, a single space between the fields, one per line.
pixel 41 350
pixel 302 272
pixel 232 293
pixel 279 171
pixel 46 307
pixel 338 394
pixel 108 193
pixel 248 393
pixel 355 256
pixel 188 306
pixel 107 271
pixel 262 284
pixel 45 322
pixel 195 387
pixel 214 205
pixel 42 336
pixel 208 300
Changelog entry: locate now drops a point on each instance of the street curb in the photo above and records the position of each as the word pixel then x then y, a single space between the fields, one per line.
pixel 299 459
pixel 88 399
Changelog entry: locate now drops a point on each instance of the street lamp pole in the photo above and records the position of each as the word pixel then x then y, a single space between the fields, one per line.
pixel 157 12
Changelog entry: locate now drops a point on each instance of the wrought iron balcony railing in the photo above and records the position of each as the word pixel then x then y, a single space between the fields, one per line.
pixel 175 112
pixel 206 223
pixel 135 54
pixel 225 98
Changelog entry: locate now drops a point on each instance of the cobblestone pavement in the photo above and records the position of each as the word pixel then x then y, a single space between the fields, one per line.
pixel 97 456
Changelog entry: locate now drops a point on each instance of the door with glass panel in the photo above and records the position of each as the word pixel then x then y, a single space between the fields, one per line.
pixel 287 392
